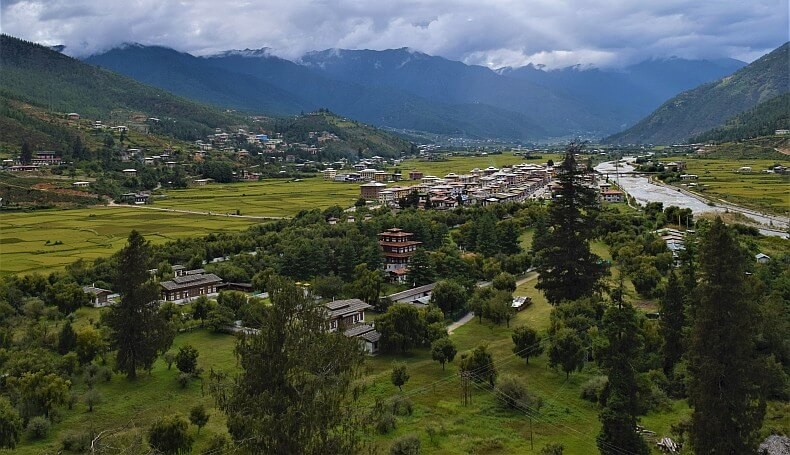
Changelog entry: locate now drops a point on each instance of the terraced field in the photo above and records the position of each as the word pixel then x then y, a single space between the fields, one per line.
pixel 758 190
pixel 44 241
pixel 268 198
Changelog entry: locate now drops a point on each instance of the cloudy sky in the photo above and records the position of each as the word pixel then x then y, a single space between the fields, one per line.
pixel 496 33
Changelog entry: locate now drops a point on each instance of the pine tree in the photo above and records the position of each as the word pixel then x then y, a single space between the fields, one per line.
pixel 138 331
pixel 294 394
pixel 619 352
pixel 67 339
pixel 486 242
pixel 673 320
pixel 420 269
pixel 568 270
pixel 26 155
pixel 723 390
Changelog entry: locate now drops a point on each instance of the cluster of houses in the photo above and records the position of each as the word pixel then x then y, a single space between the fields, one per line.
pixel 38 160
pixel 480 186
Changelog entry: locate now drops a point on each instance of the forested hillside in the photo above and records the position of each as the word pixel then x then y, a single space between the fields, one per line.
pixel 708 106
pixel 38 76
pixel 763 120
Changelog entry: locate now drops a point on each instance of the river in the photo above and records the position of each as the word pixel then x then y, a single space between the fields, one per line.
pixel 644 191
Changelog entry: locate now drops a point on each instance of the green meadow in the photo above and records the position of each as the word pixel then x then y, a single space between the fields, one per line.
pixel 275 198
pixel 45 241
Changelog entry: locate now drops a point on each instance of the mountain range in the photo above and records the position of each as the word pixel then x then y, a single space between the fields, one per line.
pixel 711 105
pixel 404 89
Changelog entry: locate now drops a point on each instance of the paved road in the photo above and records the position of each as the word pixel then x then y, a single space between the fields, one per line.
pixel 471 315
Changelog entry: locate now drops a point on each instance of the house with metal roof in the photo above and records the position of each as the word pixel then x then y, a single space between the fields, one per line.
pixel 186 287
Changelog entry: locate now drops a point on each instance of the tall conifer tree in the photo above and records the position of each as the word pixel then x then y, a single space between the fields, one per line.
pixel 140 333
pixel 723 387
pixel 618 355
pixel 568 269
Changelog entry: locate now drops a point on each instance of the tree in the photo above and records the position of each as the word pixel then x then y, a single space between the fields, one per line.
pixel 399 375
pixel 186 359
pixel 568 270
pixel 401 327
pixel 504 282
pixel 723 387
pixel 508 234
pixel 234 300
pixel 567 351
pixel 618 354
pixel 89 344
pixel 68 297
pixel 443 351
pixel 26 155
pixel 39 392
pixel 198 416
pixel 486 242
pixel 512 393
pixel 294 393
pixel 420 269
pixel 367 285
pixel 67 339
pixel 10 425
pixel 170 435
pixel 200 308
pixel 480 365
pixel 91 398
pixel 220 317
pixel 499 308
pixel 169 359
pixel 672 323
pixel 527 343
pixel 449 296
pixel 138 331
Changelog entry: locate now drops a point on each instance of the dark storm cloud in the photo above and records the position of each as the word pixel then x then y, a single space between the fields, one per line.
pixel 489 32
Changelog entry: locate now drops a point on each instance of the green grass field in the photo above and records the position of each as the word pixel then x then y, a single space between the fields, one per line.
pixel 761 191
pixel 91 233
pixel 275 198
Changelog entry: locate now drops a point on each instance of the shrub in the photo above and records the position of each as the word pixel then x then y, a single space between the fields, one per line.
pixel 38 427
pixel 402 406
pixel 91 398
pixel 218 443
pixel 76 441
pixel 186 359
pixel 512 393
pixel 183 379
pixel 170 435
pixel 105 374
pixel 552 449
pixel 385 422
pixel 593 389
pixel 406 445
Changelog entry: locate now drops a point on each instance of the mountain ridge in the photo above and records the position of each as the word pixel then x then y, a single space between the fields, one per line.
pixel 710 105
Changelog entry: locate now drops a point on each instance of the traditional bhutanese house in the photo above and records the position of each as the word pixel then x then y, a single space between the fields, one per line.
pixel 343 314
pixel 185 287
pixel 612 196
pixel 81 184
pixel 99 297
pixel 415 175
pixel 367 335
pixel 398 247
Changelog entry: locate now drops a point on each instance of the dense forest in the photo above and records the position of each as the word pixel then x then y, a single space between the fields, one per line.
pixel 763 120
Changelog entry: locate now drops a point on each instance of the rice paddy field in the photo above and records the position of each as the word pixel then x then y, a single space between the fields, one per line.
pixel 45 241
pixel 275 198
pixel 756 189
